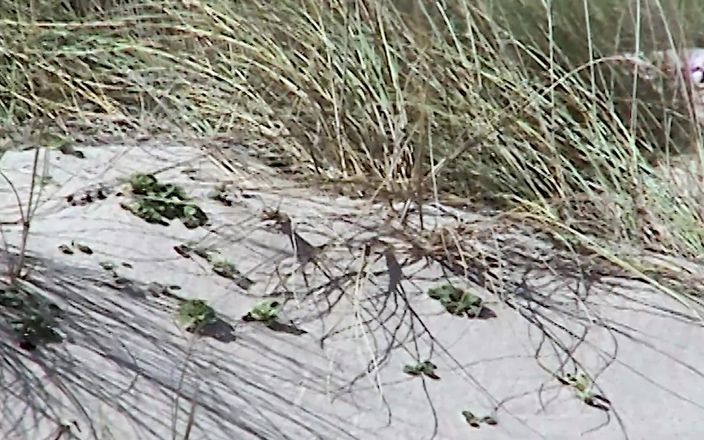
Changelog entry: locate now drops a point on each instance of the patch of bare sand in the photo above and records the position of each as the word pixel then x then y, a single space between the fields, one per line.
pixel 356 312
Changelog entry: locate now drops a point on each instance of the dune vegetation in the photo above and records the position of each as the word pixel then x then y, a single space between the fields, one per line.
pixel 525 106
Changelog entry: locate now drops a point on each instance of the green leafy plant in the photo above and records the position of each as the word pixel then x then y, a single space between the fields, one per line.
pixel 584 390
pixel 475 421
pixel 36 329
pixel 195 313
pixel 159 203
pixel 457 301
pixel 66 249
pixel 82 247
pixel 225 269
pixel 425 368
pixel 228 270
pixel 265 311
pixel 107 266
pixel 148 184
pixel 33 319
pixel 220 194
pixel 13 298
pixel 186 249
pixel 46 180
pixel 63 144
pixel 69 249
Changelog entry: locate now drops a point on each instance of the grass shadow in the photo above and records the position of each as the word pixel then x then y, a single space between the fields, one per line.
pixel 120 344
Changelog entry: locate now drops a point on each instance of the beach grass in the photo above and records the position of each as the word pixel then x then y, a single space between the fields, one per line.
pixel 524 106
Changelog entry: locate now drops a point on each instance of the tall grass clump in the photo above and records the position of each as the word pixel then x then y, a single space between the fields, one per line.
pixel 524 104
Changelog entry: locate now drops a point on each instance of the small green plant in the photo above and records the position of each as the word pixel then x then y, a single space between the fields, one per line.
pixel 69 249
pixel 584 390
pixel 226 269
pixel 33 319
pixel 13 298
pixel 186 249
pixel 265 311
pixel 475 421
pixel 46 180
pixel 425 368
pixel 66 249
pixel 66 428
pixel 195 313
pixel 36 329
pixel 221 267
pixel 82 247
pixel 63 144
pixel 220 194
pixel 107 266
pixel 148 184
pixel 159 203
pixel 203 252
pixel 457 301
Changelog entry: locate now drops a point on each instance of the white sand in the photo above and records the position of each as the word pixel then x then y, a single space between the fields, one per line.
pixel 126 370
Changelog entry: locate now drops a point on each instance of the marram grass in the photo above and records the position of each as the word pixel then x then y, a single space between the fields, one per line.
pixel 502 102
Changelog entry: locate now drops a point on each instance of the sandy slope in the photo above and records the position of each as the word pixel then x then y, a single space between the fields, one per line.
pixel 127 371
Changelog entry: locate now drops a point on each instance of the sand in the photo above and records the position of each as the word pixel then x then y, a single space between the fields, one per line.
pixel 333 368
